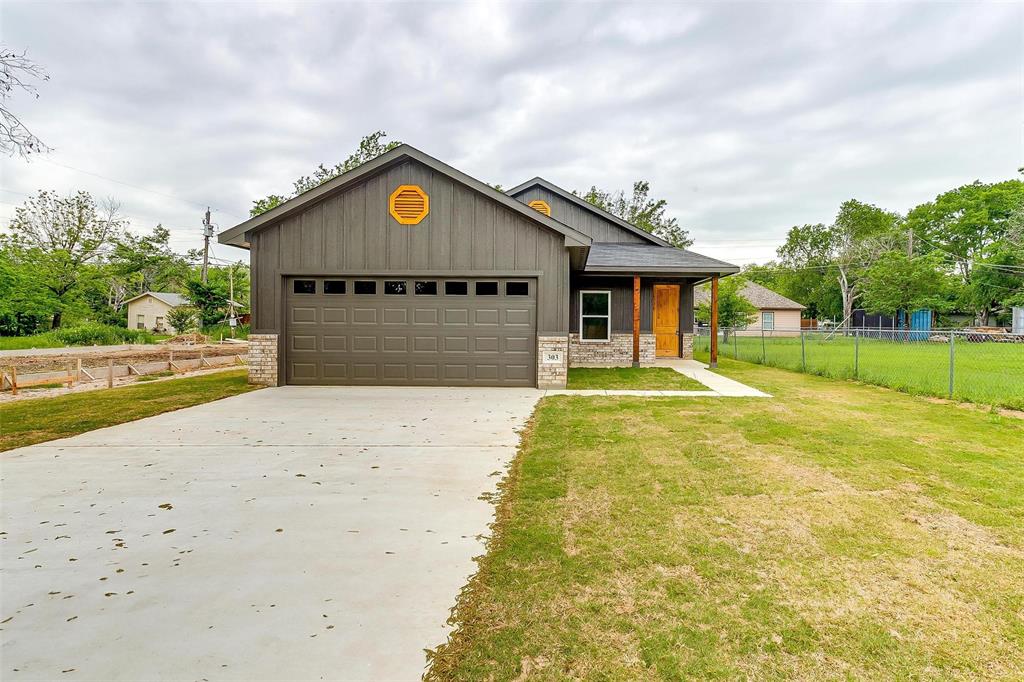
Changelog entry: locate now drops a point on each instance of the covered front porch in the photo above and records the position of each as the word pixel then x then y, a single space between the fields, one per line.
pixel 634 303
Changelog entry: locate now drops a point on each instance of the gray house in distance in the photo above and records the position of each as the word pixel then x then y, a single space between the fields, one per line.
pixel 406 271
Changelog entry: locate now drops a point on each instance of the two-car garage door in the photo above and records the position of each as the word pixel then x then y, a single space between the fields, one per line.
pixel 410 330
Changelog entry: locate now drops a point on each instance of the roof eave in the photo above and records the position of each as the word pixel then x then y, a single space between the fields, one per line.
pixel 662 270
pixel 569 196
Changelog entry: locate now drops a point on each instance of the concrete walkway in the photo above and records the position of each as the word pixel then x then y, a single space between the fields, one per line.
pixel 718 385
pixel 296 533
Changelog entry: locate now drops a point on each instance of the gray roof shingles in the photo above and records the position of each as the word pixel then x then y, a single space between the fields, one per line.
pixel 609 257
pixel 759 296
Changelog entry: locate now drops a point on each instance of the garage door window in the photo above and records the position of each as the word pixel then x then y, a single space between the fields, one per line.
pixel 595 315
pixel 305 286
pixel 517 288
pixel 456 288
pixel 426 288
pixel 486 288
pixel 334 286
pixel 394 287
pixel 365 287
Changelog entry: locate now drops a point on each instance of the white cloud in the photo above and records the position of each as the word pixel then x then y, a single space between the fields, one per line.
pixel 748 118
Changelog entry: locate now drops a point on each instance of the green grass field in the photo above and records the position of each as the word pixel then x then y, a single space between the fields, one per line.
pixel 26 422
pixel 837 531
pixel 987 373
pixel 631 378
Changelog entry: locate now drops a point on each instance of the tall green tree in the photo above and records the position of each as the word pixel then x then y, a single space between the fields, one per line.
pixel 896 282
pixel 65 234
pixel 370 147
pixel 967 226
pixel 857 237
pixel 815 288
pixel 209 300
pixel 641 210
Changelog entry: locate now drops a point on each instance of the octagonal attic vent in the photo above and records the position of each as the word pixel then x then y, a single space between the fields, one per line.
pixel 542 206
pixel 409 204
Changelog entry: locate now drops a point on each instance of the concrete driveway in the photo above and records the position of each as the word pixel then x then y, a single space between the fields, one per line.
pixel 290 533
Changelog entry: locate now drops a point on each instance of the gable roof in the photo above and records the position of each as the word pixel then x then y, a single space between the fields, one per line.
pixel 630 258
pixel 759 296
pixel 167 297
pixel 586 205
pixel 236 236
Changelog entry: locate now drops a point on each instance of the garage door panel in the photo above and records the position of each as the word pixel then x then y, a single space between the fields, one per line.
pixel 456 316
pixel 396 344
pixel 519 344
pixel 456 344
pixel 462 340
pixel 486 317
pixel 519 317
pixel 364 344
pixel 303 315
pixel 335 343
pixel 364 316
pixel 424 344
pixel 425 316
pixel 335 370
pixel 335 315
pixel 486 344
pixel 301 342
pixel 395 316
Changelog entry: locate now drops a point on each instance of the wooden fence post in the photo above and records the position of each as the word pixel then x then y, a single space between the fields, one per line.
pixel 78 370
pixel 14 380
pixel 110 373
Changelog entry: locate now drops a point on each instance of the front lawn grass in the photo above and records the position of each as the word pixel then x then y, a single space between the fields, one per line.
pixel 836 531
pixel 632 378
pixel 41 419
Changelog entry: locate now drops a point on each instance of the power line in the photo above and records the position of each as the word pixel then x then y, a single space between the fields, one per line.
pixel 138 187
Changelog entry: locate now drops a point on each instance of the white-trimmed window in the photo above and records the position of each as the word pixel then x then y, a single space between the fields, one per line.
pixel 595 316
pixel 768 320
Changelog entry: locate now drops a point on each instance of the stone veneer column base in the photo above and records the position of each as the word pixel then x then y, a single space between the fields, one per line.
pixel 555 372
pixel 618 352
pixel 687 346
pixel 263 359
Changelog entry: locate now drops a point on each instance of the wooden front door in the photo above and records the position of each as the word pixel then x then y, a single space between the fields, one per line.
pixel 666 320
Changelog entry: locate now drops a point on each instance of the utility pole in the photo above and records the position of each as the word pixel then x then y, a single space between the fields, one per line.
pixel 207 233
pixel 231 299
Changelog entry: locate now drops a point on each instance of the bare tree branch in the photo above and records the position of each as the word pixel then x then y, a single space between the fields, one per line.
pixel 17 73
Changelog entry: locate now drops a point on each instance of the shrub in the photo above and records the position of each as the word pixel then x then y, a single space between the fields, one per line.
pixel 183 318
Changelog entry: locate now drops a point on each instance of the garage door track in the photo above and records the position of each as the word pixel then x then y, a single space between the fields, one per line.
pixel 289 533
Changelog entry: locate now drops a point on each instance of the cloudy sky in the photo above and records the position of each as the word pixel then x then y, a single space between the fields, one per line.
pixel 747 117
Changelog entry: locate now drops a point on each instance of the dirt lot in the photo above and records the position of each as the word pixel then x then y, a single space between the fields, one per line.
pixel 96 358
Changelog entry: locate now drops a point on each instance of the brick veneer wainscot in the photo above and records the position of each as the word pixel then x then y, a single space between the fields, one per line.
pixel 263 359
pixel 618 352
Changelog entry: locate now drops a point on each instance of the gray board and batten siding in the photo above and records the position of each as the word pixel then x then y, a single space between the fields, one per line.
pixel 621 289
pixel 351 233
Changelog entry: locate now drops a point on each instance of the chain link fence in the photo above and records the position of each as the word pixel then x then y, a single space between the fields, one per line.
pixel 962 365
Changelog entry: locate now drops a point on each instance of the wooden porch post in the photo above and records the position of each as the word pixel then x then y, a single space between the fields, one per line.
pixel 714 321
pixel 636 320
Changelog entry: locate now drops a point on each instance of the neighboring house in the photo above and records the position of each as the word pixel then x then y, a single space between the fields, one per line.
pixel 407 271
pixel 775 313
pixel 149 311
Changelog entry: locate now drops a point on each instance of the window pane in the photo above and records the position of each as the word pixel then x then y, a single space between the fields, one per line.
pixel 394 288
pixel 486 288
pixel 334 286
pixel 595 328
pixel 768 321
pixel 426 288
pixel 365 287
pixel 517 288
pixel 456 288
pixel 304 286
pixel 595 303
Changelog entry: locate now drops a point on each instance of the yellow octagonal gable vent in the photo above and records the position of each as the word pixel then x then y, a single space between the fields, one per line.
pixel 409 204
pixel 542 206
